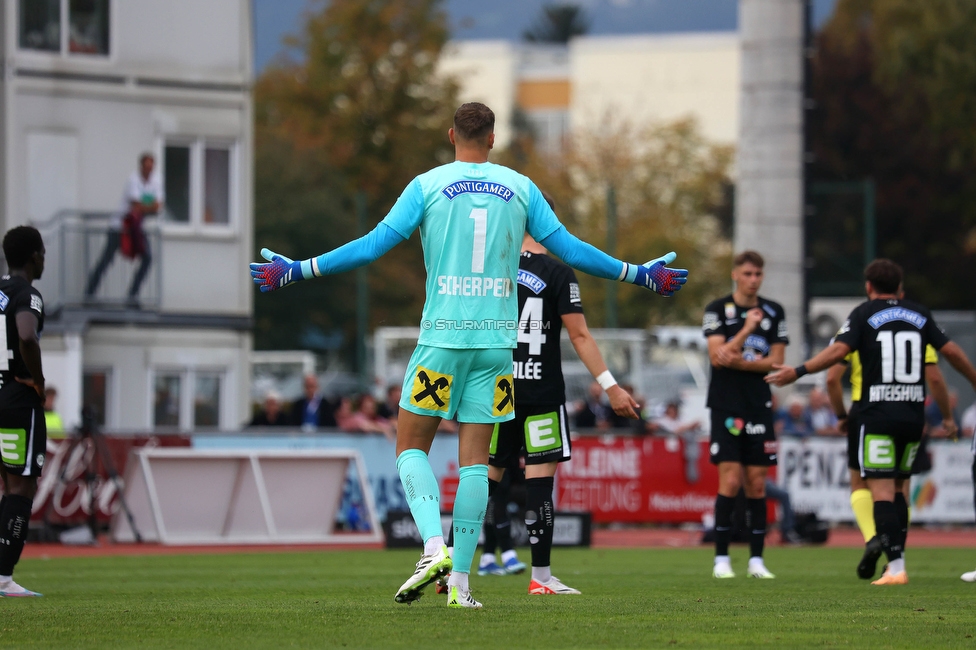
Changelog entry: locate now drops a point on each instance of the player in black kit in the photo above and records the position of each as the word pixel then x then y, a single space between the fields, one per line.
pixel 890 336
pixel 549 298
pixel 746 336
pixel 23 434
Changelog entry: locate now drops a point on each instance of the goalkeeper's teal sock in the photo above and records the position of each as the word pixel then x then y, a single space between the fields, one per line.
pixel 469 512
pixel 422 492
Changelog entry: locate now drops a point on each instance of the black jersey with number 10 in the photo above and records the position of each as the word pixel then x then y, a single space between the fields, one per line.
pixel 547 289
pixel 890 337
pixel 17 295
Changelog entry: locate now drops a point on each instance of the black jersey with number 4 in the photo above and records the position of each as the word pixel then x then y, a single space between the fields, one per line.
pixel 547 289
pixel 741 391
pixel 17 295
pixel 890 336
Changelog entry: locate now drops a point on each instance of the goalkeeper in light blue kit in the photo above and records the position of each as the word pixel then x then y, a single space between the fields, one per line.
pixel 472 215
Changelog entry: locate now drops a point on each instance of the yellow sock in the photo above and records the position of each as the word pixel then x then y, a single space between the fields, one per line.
pixel 863 506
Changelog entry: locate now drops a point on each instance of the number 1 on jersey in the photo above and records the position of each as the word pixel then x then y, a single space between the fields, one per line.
pixel 480 216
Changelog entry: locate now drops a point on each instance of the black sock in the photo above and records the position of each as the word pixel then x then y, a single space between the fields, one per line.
pixel 723 523
pixel 539 518
pixel 489 525
pixel 13 531
pixel 901 511
pixel 756 521
pixel 889 530
pixel 503 525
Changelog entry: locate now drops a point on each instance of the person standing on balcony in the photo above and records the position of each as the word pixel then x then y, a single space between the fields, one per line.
pixel 143 197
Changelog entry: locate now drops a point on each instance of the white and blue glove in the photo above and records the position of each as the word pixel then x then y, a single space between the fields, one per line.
pixel 278 272
pixel 657 277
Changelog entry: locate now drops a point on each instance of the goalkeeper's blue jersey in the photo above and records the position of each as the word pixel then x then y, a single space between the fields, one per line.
pixel 472 217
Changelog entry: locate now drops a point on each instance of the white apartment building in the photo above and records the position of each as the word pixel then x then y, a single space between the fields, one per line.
pixel 88 85
pixel 645 78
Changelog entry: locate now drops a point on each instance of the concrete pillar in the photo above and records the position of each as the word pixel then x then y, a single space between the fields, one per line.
pixel 769 186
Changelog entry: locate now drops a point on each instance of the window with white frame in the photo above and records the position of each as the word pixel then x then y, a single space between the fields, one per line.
pixel 41 26
pixel 187 399
pixel 199 179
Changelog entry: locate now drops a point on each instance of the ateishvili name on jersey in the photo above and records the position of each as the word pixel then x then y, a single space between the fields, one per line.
pixel 896 393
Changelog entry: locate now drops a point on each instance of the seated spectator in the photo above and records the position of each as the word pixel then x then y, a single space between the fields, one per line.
pixel 360 415
pixel 313 410
pixel 271 415
pixel 671 422
pixel 390 408
pixel 797 420
pixel 823 421
pixel 592 413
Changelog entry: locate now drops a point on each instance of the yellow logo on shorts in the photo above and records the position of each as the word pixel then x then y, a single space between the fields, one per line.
pixel 431 390
pixel 504 394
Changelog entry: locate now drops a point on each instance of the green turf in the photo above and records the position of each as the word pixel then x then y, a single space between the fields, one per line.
pixel 631 598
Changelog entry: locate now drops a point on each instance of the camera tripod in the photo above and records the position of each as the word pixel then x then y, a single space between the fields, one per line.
pixel 98 451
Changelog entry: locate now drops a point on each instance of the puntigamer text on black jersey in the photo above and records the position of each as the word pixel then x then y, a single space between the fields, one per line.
pixel 890 336
pixel 740 390
pixel 17 295
pixel 547 289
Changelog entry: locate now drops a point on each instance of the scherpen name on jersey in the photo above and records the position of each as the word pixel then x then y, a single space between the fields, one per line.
pixel 896 393
pixel 473 285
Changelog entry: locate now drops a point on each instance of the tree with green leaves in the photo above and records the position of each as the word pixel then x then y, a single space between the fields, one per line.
pixel 358 113
pixel 558 24
pixel 893 87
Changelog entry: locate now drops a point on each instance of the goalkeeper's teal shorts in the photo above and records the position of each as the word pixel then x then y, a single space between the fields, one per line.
pixel 476 385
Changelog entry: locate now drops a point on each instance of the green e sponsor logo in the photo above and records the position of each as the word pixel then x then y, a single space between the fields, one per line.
pixel 879 452
pixel 542 432
pixel 13 443
pixel 911 450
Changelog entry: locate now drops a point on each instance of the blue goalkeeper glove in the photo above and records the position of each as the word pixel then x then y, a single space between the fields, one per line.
pixel 278 272
pixel 657 277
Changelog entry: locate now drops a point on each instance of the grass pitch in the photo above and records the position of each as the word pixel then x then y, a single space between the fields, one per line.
pixel 631 598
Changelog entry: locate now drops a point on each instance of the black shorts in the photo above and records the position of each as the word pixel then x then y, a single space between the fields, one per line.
pixel 887 448
pixel 746 439
pixel 542 431
pixel 23 440
pixel 923 461
pixel 853 435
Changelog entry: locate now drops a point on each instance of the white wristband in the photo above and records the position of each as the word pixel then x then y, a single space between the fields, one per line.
pixel 606 380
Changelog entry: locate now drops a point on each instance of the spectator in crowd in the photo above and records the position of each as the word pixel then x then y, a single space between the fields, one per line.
pixel 391 407
pixel 822 419
pixel 592 413
pixel 787 519
pixel 797 420
pixel 55 426
pixel 271 415
pixel 312 410
pixel 671 423
pixel 143 197
pixel 359 414
pixel 779 415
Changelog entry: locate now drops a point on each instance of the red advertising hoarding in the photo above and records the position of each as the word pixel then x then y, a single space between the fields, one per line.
pixel 64 491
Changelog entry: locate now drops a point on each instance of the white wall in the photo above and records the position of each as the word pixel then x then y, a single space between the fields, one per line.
pixel 486 73
pixel 659 77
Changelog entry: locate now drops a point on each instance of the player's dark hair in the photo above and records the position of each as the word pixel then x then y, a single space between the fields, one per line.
pixel 19 244
pixel 473 121
pixel 749 257
pixel 884 275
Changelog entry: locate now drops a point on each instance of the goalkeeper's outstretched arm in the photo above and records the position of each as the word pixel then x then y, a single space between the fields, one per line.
pixel 279 271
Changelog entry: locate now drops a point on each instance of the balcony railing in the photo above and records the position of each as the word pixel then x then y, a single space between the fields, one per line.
pixel 75 242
